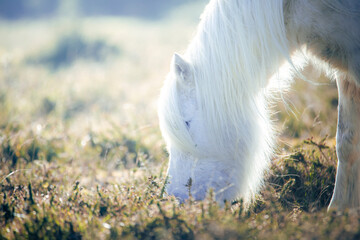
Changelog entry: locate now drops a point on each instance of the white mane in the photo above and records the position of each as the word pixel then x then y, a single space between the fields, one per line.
pixel 213 109
pixel 237 48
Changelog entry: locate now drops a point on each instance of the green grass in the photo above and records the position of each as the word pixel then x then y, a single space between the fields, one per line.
pixel 81 155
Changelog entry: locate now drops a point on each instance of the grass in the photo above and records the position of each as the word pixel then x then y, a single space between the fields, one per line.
pixel 81 156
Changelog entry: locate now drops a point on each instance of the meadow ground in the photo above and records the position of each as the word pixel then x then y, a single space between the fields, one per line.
pixel 81 155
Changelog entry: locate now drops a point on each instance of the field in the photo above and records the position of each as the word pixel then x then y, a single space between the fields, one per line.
pixel 81 154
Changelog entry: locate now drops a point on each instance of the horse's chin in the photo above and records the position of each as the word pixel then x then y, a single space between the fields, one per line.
pixel 198 178
pixel 182 193
pixel 203 191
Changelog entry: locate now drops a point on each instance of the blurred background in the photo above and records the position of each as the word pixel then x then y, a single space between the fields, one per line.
pixel 82 78
pixel 82 70
pixel 79 83
pixel 19 9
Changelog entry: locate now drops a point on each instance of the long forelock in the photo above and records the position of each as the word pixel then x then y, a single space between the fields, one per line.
pixel 172 123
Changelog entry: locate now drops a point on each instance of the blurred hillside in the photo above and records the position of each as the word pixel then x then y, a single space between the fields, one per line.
pixel 18 9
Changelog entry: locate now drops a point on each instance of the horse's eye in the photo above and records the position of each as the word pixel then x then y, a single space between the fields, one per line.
pixel 187 124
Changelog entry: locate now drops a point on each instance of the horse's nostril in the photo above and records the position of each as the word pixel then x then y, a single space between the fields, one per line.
pixel 187 124
pixel 179 195
pixel 181 200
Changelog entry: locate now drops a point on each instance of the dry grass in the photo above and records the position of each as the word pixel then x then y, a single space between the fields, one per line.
pixel 81 155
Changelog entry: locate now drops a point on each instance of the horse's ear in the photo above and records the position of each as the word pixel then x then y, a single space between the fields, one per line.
pixel 182 67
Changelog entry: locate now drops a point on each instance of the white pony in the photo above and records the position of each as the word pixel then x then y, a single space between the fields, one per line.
pixel 214 110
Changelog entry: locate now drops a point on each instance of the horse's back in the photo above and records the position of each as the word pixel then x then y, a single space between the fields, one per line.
pixel 346 32
pixel 330 29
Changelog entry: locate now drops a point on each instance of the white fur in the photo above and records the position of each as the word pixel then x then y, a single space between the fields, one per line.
pixel 213 108
pixel 230 72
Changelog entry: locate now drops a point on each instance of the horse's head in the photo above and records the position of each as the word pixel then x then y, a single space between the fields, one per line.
pixel 196 163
